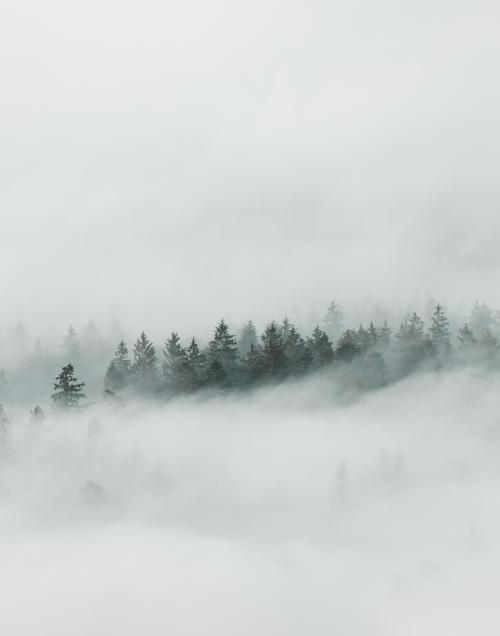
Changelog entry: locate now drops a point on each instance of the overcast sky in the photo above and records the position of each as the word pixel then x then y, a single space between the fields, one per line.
pixel 173 162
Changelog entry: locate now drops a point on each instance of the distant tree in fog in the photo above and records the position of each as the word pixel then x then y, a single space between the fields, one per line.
pixel 439 332
pixel 333 321
pixel 175 365
pixel 145 365
pixel 248 337
pixel 71 344
pixel 118 373
pixel 67 390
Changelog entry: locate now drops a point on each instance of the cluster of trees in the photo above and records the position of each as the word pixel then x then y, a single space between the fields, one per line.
pixel 364 358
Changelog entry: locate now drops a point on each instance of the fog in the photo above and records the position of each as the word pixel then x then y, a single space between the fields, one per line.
pixel 281 512
pixel 175 160
pixel 165 165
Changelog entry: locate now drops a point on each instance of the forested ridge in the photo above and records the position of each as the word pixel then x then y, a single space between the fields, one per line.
pixel 362 358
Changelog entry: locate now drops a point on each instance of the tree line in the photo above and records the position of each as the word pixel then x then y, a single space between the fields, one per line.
pixel 365 358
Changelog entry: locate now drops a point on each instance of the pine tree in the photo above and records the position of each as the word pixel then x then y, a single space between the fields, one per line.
pixel 118 374
pixel 385 336
pixel 223 350
pixel 347 347
pixel 248 337
pixel 333 321
pixel 440 332
pixel 145 367
pixel 196 364
pixel 272 348
pixel 320 347
pixel 68 392
pixel 252 369
pixel 175 365
pixel 298 355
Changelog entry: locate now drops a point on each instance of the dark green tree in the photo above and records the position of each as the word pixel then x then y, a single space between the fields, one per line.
pixel 175 366
pixel 223 350
pixel 347 346
pixel 272 349
pixel 67 390
pixel 145 365
pixel 298 355
pixel 320 348
pixel 196 366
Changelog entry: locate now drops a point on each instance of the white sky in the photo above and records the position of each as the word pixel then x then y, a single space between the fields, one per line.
pixel 171 163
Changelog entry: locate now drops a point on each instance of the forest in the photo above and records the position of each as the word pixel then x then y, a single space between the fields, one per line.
pixel 362 358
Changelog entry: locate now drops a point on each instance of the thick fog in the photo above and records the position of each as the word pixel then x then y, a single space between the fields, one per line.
pixel 282 513
pixel 183 161
pixel 165 165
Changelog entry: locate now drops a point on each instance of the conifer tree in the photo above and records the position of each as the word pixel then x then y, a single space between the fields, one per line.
pixel 320 347
pixel 333 321
pixel 347 347
pixel 196 364
pixel 118 374
pixel 145 366
pixel 385 336
pixel 248 337
pixel 223 350
pixel 440 332
pixel 175 365
pixel 272 349
pixel 67 390
pixel 297 353
pixel 252 366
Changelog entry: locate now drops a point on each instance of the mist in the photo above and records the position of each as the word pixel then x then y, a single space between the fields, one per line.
pixel 281 513
pixel 175 159
pixel 250 318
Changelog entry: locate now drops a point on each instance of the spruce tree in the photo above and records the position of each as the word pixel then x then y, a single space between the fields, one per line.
pixel 333 321
pixel 224 351
pixel 320 347
pixel 298 354
pixel 347 346
pixel 272 348
pixel 195 364
pixel 385 336
pixel 248 337
pixel 145 366
pixel 439 332
pixel 118 374
pixel 67 390
pixel 175 365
